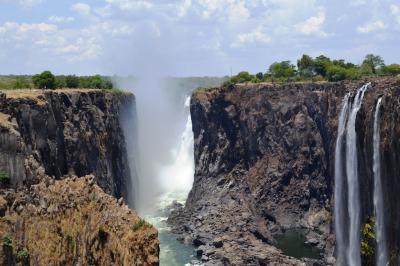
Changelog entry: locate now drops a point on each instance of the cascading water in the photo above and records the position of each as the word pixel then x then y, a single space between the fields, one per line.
pixel 354 258
pixel 175 180
pixel 349 244
pixel 382 254
pixel 339 185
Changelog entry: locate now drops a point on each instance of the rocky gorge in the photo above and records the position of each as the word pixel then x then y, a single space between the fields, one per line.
pixel 65 178
pixel 265 164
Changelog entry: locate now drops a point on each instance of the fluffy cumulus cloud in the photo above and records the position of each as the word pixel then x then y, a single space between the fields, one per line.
pixel 372 26
pixel 255 36
pixel 313 25
pixel 81 8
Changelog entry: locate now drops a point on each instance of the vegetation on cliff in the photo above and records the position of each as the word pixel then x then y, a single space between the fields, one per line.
pixel 47 80
pixel 321 68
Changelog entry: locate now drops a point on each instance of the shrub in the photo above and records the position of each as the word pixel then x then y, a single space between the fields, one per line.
pixel 140 224
pixel 4 177
pixel 72 81
pixel 45 80
pixel 7 241
pixel 368 242
pixel 393 69
pixel 23 254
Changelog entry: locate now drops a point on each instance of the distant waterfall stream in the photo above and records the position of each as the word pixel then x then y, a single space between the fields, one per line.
pixel 339 185
pixel 347 130
pixel 175 180
pixel 382 254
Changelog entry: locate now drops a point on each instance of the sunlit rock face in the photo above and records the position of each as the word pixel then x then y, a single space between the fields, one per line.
pixel 63 179
pixel 264 162
pixel 66 132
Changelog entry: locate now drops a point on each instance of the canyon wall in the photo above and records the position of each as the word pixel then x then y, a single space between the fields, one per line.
pixel 264 158
pixel 68 133
pixel 64 175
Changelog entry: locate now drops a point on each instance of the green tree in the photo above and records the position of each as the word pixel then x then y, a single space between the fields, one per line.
pixel 374 61
pixel 321 64
pixel 72 81
pixel 260 76
pixel 44 80
pixel 282 69
pixel 336 73
pixel 305 65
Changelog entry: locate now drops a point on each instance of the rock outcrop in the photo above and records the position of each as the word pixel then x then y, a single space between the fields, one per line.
pixel 264 158
pixel 61 152
pixel 72 222
pixel 68 132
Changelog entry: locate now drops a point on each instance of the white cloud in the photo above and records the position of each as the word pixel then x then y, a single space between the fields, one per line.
pixel 313 25
pixel 255 36
pixel 228 9
pixel 184 7
pixel 358 2
pixel 81 8
pixel 29 3
pixel 23 28
pixel 129 5
pixel 371 26
pixel 60 19
pixel 396 12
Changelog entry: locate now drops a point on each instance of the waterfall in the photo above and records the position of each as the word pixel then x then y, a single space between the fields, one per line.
pixel 354 258
pixel 177 177
pixel 339 185
pixel 382 255
pixel 348 246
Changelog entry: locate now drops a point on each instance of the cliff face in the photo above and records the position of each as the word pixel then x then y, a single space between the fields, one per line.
pixel 68 133
pixel 51 212
pixel 264 157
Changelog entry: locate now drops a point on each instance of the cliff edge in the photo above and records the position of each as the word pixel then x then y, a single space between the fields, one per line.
pixel 264 164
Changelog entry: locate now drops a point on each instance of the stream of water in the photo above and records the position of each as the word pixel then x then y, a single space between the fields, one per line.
pixel 382 254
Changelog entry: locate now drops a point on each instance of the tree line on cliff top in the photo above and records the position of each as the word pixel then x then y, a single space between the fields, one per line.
pixel 320 68
pixel 46 80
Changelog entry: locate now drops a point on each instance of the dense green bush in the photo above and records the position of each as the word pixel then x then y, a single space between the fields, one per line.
pixel 393 69
pixel 72 81
pixel 44 80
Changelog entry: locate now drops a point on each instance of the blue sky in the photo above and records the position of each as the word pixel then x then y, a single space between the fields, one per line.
pixel 189 37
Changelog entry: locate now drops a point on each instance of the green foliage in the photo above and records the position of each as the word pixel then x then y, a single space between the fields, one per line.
pixel 336 73
pixel 321 68
pixel 282 69
pixel 140 224
pixel 23 254
pixel 393 69
pixel 21 82
pixel 7 241
pixel 4 177
pixel 72 81
pixel 375 62
pixel 44 80
pixel 368 242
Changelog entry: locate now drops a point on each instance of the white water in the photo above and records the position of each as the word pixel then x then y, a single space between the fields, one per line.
pixel 382 254
pixel 354 258
pixel 175 180
pixel 177 177
pixel 339 185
